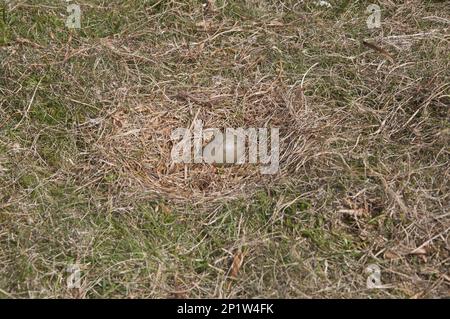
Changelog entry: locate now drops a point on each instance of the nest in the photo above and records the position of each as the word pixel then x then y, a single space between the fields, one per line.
pixel 138 141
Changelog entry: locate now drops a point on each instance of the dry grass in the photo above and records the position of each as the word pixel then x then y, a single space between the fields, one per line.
pixel 85 173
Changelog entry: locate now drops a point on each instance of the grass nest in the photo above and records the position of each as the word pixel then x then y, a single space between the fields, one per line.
pixel 136 146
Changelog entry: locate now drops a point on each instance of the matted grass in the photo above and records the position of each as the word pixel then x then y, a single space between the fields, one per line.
pixel 85 174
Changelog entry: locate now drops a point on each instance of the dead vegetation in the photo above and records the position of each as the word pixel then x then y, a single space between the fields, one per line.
pixel 85 170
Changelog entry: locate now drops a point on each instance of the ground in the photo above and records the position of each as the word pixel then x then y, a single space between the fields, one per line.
pixel 86 180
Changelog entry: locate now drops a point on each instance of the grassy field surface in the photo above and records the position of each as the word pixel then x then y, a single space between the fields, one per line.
pixel 86 177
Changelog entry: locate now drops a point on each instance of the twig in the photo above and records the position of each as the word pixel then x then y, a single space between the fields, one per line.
pixel 27 110
pixel 378 49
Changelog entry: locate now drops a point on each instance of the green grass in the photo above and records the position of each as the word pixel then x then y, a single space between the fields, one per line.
pixel 76 187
